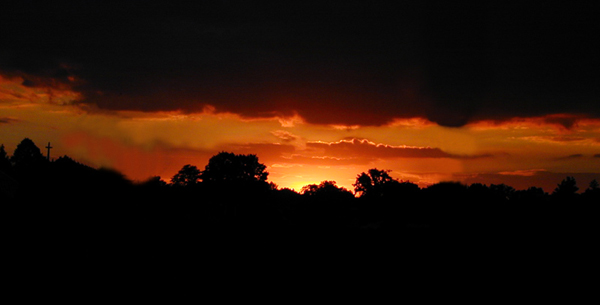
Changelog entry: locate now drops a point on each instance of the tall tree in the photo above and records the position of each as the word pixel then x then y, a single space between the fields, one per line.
pixel 374 183
pixel 229 167
pixel 567 188
pixel 27 155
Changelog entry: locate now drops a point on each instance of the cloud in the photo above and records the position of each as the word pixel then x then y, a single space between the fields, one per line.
pixel 329 62
pixel 7 120
pixel 561 139
pixel 576 157
pixel 566 121
pixel 283 135
pixel 569 157
pixel 274 153
pixel 567 139
pixel 340 153
pixel 365 149
pixel 523 173
pixel 563 122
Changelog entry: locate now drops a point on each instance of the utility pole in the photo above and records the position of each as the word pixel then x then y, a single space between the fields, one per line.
pixel 48 154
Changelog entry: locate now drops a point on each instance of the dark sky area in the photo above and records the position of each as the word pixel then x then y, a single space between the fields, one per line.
pixel 332 62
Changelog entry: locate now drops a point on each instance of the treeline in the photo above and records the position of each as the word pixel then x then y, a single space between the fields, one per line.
pixel 28 170
pixel 63 201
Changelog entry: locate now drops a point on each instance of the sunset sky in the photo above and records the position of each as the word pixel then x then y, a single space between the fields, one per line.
pixel 318 90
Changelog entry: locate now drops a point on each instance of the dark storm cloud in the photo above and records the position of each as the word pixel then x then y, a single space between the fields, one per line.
pixel 334 62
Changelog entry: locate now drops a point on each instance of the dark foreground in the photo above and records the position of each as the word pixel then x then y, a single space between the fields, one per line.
pixel 251 241
pixel 225 240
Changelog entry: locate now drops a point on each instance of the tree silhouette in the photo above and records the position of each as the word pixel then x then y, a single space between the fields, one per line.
pixel 238 207
pixel 594 185
pixel 327 190
pixel 27 155
pixel 375 183
pixel 5 165
pixel 592 193
pixel 229 167
pixel 566 189
pixel 154 182
pixel 188 175
pixel 502 191
pixel 72 171
pixel 406 189
pixel 532 194
pixel 310 189
pixel 68 163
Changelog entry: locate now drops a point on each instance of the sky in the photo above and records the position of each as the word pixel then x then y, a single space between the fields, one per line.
pixel 434 91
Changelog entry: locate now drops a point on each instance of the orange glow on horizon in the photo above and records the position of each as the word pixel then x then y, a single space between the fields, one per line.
pixel 297 153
